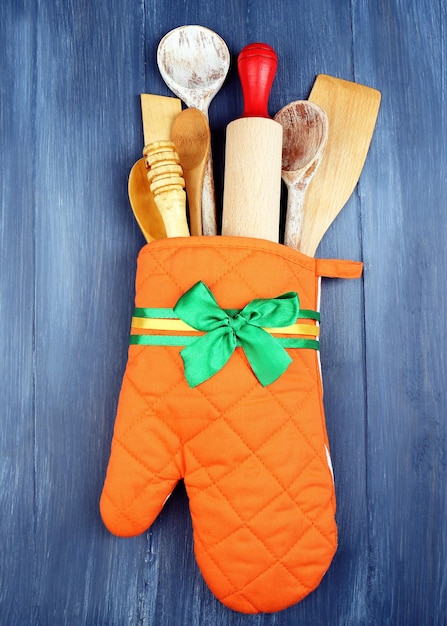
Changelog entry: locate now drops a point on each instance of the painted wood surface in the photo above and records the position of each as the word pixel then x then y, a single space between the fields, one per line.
pixel 70 131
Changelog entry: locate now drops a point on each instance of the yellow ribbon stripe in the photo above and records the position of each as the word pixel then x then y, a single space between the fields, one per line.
pixel 173 325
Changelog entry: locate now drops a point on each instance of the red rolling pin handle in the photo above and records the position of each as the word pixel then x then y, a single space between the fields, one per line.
pixel 257 65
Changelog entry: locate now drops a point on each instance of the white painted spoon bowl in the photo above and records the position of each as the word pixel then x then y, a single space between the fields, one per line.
pixel 194 62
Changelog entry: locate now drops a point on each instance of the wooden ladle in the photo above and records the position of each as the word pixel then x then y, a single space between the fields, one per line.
pixel 190 133
pixel 194 62
pixel 305 134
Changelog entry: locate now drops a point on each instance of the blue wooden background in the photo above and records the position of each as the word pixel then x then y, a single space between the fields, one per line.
pixel 70 130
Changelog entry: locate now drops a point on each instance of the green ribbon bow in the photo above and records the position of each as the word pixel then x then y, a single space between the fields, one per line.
pixel 226 330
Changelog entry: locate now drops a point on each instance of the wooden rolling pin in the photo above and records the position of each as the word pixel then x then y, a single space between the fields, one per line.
pixel 253 153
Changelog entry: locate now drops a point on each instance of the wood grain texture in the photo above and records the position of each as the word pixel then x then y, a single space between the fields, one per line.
pixel 143 204
pixel 88 132
pixel 17 310
pixel 352 113
pixel 406 389
pixel 70 131
pixel 158 113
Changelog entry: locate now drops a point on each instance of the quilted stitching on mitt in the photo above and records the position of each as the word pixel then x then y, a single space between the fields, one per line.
pixel 253 458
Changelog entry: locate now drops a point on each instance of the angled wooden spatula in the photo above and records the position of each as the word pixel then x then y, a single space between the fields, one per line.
pixel 158 113
pixel 352 111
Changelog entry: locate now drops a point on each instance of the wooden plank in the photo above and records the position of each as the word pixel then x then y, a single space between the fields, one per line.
pixel 17 549
pixel 403 190
pixel 88 135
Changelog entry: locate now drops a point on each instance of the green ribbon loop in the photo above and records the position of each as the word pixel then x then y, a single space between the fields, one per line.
pixel 207 354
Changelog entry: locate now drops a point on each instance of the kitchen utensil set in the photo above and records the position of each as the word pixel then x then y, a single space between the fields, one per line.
pixel 239 315
pixel 318 146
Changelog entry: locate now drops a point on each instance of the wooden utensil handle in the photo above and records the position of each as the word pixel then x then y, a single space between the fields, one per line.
pixel 166 181
pixel 257 65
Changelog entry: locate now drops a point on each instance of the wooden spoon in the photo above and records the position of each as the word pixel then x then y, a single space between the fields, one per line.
pixel 191 136
pixel 194 62
pixel 143 204
pixel 352 111
pixel 305 133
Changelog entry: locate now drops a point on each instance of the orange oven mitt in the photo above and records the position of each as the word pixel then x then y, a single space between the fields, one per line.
pixel 223 389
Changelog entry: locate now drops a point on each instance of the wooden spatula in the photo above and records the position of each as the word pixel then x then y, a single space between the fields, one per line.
pixel 158 114
pixel 352 111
